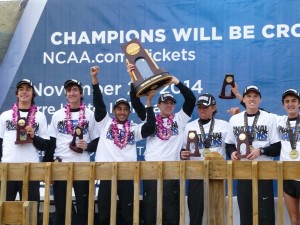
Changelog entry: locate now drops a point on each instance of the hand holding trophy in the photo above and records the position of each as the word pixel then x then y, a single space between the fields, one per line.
pixel 23 137
pixel 192 144
pixel 243 147
pixel 78 133
pixel 228 80
pixel 146 75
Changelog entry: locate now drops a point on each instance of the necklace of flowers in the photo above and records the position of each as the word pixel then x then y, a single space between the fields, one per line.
pixel 160 127
pixel 116 134
pixel 68 119
pixel 30 116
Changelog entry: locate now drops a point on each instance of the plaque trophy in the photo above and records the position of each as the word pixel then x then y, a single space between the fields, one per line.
pixel 192 144
pixel 243 147
pixel 22 136
pixel 147 76
pixel 77 134
pixel 228 80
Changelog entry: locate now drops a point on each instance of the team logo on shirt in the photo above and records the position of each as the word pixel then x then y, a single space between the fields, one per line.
pixel 62 126
pixel 131 140
pixel 260 132
pixel 215 142
pixel 284 134
pixel 10 126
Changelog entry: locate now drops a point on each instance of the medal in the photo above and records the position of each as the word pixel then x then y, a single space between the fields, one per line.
pixel 293 136
pixel 206 152
pixel 206 141
pixel 294 154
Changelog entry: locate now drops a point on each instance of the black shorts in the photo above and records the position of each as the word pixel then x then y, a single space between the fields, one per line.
pixel 292 188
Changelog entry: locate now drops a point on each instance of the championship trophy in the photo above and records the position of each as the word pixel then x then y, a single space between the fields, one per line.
pixel 77 134
pixel 147 76
pixel 22 136
pixel 228 80
pixel 192 144
pixel 243 146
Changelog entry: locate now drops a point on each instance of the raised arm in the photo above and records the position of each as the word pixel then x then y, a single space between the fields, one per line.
pixel 100 108
pixel 149 127
pixel 136 103
pixel 189 97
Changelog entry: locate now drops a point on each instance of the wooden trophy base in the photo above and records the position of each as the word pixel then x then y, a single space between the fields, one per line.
pixel 154 82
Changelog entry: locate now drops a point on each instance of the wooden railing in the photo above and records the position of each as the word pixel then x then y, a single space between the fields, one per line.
pixel 214 172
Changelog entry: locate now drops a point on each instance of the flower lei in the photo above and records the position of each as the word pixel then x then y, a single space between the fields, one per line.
pixel 116 135
pixel 30 116
pixel 160 127
pixel 68 119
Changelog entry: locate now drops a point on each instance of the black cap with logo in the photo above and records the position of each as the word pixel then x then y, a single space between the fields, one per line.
pixel 165 97
pixel 251 88
pixel 291 92
pixel 206 100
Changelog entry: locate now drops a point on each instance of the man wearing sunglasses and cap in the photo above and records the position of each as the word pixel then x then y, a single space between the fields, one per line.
pixel 164 145
pixel 117 143
pixel 72 128
pixel 264 143
pixel 211 135
pixel 15 149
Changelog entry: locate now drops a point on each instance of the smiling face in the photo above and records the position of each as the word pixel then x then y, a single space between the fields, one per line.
pixel 24 95
pixel 166 108
pixel 73 95
pixel 291 105
pixel 121 112
pixel 252 101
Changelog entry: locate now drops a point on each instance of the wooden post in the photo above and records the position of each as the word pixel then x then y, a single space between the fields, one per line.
pixel 216 194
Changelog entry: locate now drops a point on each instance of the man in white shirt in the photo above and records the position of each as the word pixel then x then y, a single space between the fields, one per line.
pixel 62 132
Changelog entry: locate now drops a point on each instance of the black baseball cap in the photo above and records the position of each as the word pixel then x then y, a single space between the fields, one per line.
pixel 291 92
pixel 121 100
pixel 206 100
pixel 24 81
pixel 251 88
pixel 73 82
pixel 165 97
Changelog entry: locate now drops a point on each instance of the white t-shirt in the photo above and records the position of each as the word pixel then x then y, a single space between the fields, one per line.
pixel 285 140
pixel 167 150
pixel 20 152
pixel 57 129
pixel 265 134
pixel 107 151
pixel 218 136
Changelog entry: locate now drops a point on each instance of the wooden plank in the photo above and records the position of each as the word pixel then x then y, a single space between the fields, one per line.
pixel 159 200
pixel 47 180
pixel 25 182
pixel 255 191
pixel 280 192
pixel 230 193
pixel 4 171
pixel 182 193
pixel 136 199
pixel 91 193
pixel 68 192
pixel 114 187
